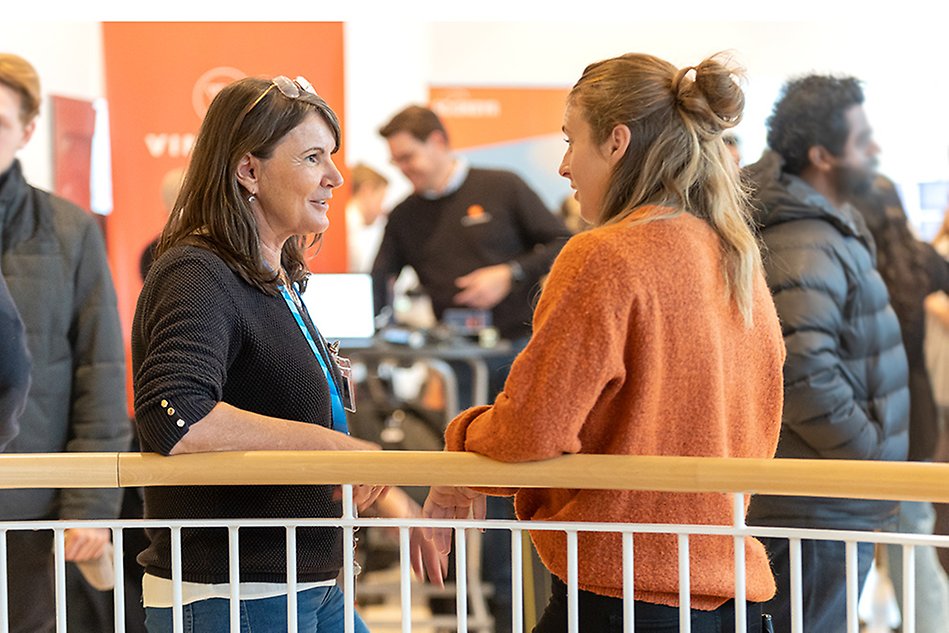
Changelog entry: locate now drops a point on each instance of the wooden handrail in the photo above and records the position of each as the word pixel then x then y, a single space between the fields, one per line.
pixel 827 478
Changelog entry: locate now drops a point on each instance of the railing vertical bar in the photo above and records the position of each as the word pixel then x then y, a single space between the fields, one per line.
pixel 629 599
pixel 741 607
pixel 234 578
pixel 573 594
pixel 292 579
pixel 177 612
pixel 479 613
pixel 461 580
pixel 517 581
pixel 4 605
pixel 405 579
pixel 685 604
pixel 118 572
pixel 853 590
pixel 797 599
pixel 59 562
pixel 349 553
pixel 909 589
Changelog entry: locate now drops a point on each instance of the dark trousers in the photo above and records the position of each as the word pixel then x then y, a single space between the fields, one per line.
pixel 603 614
pixel 32 596
pixel 823 583
pixel 91 611
pixel 30 581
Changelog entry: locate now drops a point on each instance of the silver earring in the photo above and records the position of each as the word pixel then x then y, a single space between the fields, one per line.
pixel 252 198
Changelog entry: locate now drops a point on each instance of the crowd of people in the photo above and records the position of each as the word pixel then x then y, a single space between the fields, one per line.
pixel 678 269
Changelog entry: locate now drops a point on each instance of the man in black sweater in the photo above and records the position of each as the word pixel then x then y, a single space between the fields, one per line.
pixel 478 239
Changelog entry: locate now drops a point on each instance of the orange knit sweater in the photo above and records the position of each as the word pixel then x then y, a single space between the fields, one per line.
pixel 638 350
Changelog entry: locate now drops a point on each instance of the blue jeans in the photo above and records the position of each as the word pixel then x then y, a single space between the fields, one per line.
pixel 319 610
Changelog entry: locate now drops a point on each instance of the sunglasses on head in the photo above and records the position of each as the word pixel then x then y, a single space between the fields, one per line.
pixel 290 88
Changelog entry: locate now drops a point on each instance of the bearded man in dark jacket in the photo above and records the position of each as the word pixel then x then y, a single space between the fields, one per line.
pixel 53 260
pixel 845 377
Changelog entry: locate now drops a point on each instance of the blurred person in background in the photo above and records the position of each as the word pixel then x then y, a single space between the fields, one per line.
pixel 937 362
pixel 846 378
pixel 479 240
pixel 912 270
pixel 53 259
pixel 365 217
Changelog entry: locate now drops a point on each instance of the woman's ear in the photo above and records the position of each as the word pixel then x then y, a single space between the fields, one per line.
pixel 617 143
pixel 247 173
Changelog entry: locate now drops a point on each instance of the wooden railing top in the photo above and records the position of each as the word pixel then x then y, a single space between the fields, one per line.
pixel 828 478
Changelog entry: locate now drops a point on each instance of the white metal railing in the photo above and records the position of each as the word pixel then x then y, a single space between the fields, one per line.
pixel 816 478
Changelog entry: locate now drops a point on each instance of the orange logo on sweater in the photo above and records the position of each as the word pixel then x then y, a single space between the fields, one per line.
pixel 475 215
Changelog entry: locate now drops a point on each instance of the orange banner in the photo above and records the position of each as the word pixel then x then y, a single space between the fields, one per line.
pixel 476 117
pixel 160 78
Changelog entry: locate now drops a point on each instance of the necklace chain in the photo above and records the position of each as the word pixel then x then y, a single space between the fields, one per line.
pixel 282 276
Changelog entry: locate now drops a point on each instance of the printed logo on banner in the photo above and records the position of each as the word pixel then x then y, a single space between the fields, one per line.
pixel 209 84
pixel 466 107
pixel 178 145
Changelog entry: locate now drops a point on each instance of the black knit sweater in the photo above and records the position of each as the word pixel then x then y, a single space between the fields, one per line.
pixel 200 336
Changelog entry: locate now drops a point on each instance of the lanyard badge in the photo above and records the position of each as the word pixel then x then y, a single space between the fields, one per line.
pixel 345 368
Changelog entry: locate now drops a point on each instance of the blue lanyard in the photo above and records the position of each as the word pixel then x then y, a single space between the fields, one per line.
pixel 339 413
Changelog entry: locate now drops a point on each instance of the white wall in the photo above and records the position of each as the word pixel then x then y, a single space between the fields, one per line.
pixel 384 72
pixel 391 63
pixel 900 62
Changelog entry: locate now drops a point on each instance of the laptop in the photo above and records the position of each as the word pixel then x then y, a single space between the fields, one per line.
pixel 341 305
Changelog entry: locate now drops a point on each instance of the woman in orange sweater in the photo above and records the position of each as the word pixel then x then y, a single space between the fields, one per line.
pixel 655 335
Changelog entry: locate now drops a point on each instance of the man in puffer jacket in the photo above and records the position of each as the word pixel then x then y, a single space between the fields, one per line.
pixel 845 377
pixel 54 263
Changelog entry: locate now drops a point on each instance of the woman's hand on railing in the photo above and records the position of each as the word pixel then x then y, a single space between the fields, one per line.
pixel 449 502
pixel 429 547
pixel 364 495
pixel 426 560
pixel 85 543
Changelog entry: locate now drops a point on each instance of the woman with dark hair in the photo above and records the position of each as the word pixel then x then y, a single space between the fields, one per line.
pixel 643 323
pixel 226 357
pixel 937 343
pixel 912 271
